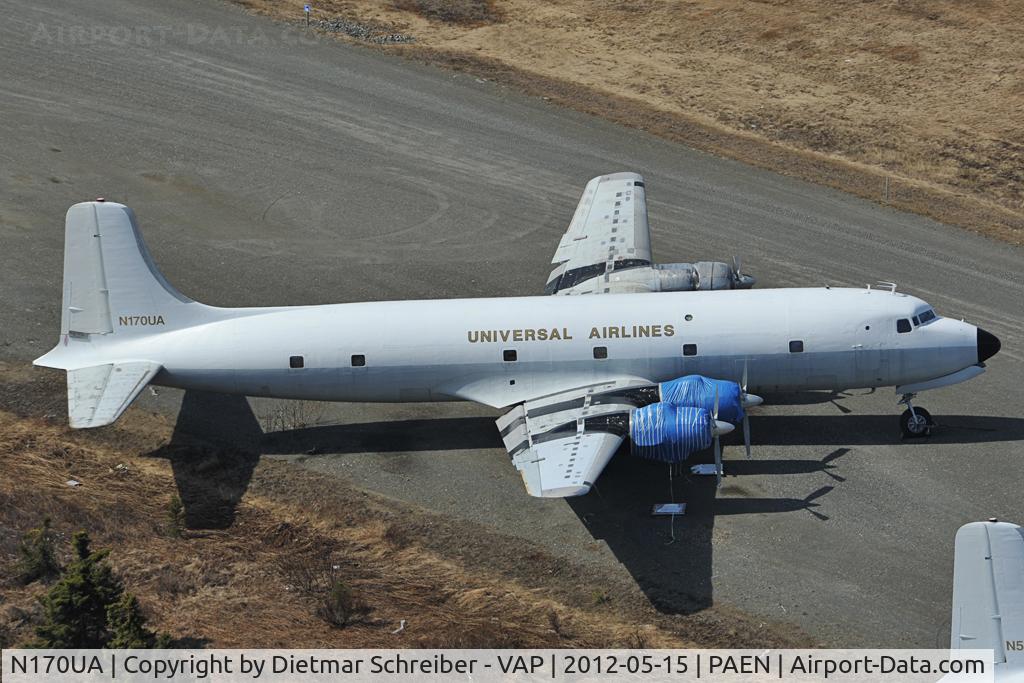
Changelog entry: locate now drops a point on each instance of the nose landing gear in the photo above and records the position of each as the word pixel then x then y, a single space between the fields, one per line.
pixel 915 423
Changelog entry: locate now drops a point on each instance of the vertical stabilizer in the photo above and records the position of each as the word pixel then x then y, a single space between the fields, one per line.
pixel 112 288
pixel 112 291
pixel 110 281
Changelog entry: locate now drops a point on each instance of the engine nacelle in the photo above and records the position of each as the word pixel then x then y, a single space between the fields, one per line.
pixel 639 276
pixel 713 275
pixel 661 424
pixel 675 277
pixel 697 391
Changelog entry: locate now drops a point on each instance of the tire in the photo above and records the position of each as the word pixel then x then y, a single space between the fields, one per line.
pixel 916 429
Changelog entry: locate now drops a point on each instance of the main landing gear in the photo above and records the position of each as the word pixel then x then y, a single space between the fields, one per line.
pixel 915 423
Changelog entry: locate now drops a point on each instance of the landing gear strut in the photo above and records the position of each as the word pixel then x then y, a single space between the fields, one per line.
pixel 915 423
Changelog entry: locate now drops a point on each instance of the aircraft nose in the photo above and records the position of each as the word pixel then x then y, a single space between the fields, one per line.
pixel 988 345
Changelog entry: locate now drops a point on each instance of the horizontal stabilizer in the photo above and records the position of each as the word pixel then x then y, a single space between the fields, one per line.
pixel 97 395
pixel 988 590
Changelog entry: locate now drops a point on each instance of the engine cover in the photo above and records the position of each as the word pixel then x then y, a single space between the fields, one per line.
pixel 669 433
pixel 697 391
pixel 713 275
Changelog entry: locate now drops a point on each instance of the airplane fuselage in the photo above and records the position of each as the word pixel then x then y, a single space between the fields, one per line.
pixel 502 351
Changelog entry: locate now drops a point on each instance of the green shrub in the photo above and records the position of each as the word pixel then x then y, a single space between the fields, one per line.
pixel 75 609
pixel 341 607
pixel 38 558
pixel 127 626
pixel 175 517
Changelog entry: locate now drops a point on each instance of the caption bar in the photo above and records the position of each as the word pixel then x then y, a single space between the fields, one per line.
pixel 279 666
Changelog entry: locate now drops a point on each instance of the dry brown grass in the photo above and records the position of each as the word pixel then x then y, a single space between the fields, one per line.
pixel 468 13
pixel 262 581
pixel 846 93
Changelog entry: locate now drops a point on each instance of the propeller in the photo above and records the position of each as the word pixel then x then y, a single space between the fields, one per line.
pixel 717 428
pixel 740 281
pixel 747 401
pixel 718 446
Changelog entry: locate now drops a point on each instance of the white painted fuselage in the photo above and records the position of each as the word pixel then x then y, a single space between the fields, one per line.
pixel 460 349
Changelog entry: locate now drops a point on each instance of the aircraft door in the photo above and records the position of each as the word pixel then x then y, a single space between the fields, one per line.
pixel 871 362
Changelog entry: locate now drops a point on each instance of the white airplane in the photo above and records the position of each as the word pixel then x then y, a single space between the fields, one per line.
pixel 988 594
pixel 576 373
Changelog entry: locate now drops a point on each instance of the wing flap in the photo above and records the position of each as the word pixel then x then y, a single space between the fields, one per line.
pixel 97 395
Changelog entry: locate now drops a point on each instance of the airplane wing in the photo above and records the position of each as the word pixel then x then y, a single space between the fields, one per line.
pixel 988 591
pixel 561 443
pixel 608 232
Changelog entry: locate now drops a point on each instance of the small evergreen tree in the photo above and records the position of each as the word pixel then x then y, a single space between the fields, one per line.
pixel 175 518
pixel 38 558
pixel 75 609
pixel 128 625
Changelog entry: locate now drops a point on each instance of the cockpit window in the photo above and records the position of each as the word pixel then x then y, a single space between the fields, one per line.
pixel 916 321
pixel 903 325
pixel 927 315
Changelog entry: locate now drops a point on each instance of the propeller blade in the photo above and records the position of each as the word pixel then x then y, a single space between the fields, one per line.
pixel 715 414
pixel 746 434
pixel 718 462
pixel 744 385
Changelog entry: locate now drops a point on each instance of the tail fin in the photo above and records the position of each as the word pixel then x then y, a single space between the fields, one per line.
pixel 112 290
pixel 110 280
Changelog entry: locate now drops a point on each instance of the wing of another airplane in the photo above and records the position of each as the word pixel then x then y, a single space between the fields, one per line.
pixel 608 232
pixel 561 443
pixel 988 591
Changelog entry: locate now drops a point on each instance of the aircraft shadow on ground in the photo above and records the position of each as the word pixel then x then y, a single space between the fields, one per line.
pixel 442 434
pixel 213 451
pixel 838 430
pixel 671 558
pixel 469 433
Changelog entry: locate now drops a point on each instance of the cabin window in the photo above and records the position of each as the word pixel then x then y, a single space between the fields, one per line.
pixel 296 362
pixel 903 325
pixel 509 355
pixel 600 352
pixel 689 349
pixel 358 360
pixel 796 346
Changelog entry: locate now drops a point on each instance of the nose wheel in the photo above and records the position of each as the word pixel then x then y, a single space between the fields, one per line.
pixel 915 423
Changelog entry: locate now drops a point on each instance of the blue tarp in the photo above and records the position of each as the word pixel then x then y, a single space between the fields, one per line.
pixel 697 391
pixel 669 433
